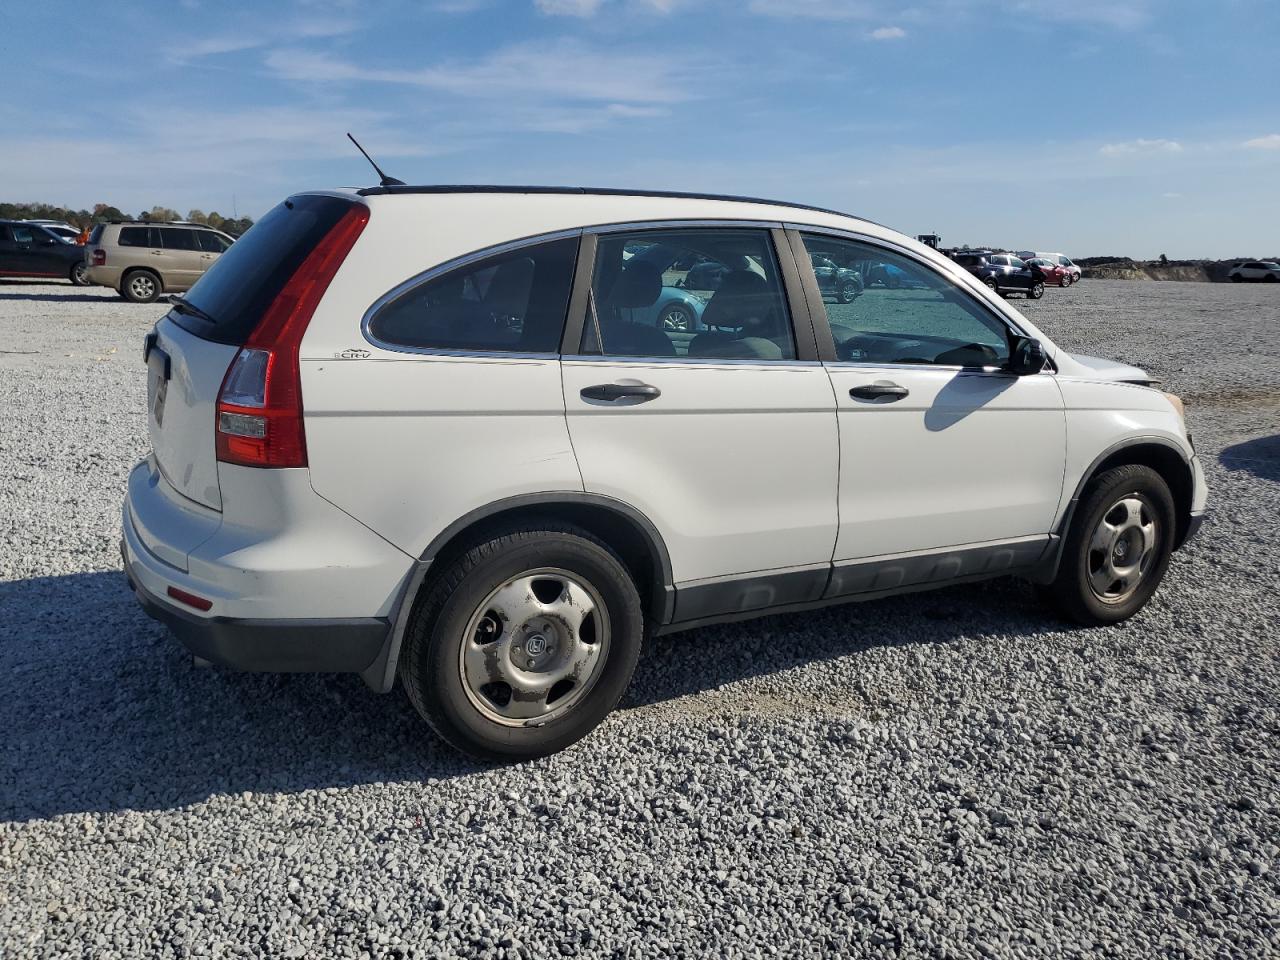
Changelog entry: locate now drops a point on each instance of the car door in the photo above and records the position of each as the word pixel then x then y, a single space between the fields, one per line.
pixel 730 450
pixel 949 463
pixel 211 247
pixel 23 256
pixel 182 253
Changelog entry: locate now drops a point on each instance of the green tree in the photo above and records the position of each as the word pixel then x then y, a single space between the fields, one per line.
pixel 197 216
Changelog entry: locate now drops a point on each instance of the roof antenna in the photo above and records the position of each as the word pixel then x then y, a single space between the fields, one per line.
pixel 385 181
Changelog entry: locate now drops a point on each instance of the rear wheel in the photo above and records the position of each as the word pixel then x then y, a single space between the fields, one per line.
pixel 523 643
pixel 1117 549
pixel 140 286
pixel 79 274
pixel 676 317
pixel 1269 278
pixel 1036 290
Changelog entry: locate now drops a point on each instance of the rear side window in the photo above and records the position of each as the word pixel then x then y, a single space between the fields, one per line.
pixel 139 237
pixel 175 238
pixel 241 284
pixel 512 302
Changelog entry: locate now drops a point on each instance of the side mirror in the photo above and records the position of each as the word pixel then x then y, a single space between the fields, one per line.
pixel 1028 356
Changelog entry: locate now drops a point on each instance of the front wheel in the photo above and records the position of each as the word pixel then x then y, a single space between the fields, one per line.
pixel 523 643
pixel 848 291
pixel 1236 278
pixel 676 318
pixel 1065 281
pixel 1117 549
pixel 79 274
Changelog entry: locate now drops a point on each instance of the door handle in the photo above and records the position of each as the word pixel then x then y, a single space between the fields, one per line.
pixel 882 390
pixel 613 392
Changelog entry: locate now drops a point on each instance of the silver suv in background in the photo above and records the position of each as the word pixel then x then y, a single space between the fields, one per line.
pixel 144 260
pixel 1266 270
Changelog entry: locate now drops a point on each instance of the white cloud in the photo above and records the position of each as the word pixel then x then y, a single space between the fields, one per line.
pixel 568 8
pixel 888 33
pixel 815 9
pixel 1140 146
pixel 1270 142
pixel 525 72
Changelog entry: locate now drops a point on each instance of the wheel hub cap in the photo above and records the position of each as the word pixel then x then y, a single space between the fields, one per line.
pixel 534 647
pixel 1122 549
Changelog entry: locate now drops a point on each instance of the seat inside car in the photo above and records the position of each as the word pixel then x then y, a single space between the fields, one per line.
pixel 745 315
pixel 637 286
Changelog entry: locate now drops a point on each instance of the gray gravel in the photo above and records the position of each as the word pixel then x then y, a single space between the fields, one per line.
pixel 946 775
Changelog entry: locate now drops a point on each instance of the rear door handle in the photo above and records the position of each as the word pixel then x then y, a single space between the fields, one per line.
pixel 613 392
pixel 879 391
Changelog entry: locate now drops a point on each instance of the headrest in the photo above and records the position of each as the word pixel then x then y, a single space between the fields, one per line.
pixel 741 294
pixel 639 286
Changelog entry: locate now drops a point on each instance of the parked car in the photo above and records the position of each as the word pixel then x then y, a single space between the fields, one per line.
pixel 448 457
pixel 144 260
pixel 63 231
pixel 843 283
pixel 1053 272
pixel 1003 272
pixel 1265 270
pixel 890 277
pixel 30 250
pixel 1057 258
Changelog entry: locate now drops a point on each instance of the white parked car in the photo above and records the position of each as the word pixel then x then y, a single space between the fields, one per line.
pixel 453 456
pixel 1265 270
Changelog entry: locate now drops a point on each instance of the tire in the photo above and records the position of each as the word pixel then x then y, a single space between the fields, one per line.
pixel 1036 290
pixel 991 284
pixel 1236 278
pixel 848 291
pixel 475 624
pixel 141 286
pixel 1269 278
pixel 675 317
pixel 1076 592
pixel 78 274
pixel 1065 281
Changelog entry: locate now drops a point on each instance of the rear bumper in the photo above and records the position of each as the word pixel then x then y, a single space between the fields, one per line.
pixel 105 276
pixel 276 646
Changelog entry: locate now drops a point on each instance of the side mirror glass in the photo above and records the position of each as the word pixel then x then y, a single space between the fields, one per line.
pixel 1028 356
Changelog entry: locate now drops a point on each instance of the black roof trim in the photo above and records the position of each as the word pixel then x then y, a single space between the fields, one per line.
pixel 598 191
pixel 164 223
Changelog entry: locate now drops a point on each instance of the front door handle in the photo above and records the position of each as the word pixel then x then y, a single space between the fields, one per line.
pixel 882 390
pixel 613 392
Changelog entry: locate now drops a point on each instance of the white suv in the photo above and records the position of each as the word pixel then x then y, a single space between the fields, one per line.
pixel 1255 270
pixel 442 433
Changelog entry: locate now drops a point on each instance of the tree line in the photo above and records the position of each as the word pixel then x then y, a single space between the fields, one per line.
pixel 104 211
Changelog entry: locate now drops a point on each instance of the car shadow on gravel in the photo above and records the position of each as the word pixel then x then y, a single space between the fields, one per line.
pixel 103 710
pixel 1261 457
pixel 700 660
pixel 56 297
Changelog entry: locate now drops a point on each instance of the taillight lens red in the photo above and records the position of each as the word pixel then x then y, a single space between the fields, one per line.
pixel 99 257
pixel 259 413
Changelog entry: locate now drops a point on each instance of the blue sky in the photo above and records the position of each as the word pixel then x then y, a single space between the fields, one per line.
pixel 1129 127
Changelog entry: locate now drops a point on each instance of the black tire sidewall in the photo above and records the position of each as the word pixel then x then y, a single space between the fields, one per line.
pixel 440 695
pixel 1071 588
pixel 81 271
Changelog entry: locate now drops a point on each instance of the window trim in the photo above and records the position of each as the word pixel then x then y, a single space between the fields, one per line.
pixel 802 327
pixel 448 266
pixel 822 324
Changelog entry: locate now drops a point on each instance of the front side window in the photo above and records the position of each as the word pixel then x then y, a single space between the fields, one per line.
pixel 907 312
pixel 699 292
pixel 210 242
pixel 513 302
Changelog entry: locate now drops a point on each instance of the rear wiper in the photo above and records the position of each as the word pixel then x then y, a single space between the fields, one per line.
pixel 190 309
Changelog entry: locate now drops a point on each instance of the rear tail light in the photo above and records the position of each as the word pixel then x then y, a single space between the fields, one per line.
pixel 99 257
pixel 259 414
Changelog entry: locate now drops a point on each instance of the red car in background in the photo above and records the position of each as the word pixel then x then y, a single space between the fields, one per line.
pixel 1053 272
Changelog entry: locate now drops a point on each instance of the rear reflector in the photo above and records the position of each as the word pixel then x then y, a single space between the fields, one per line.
pixel 259 418
pixel 190 599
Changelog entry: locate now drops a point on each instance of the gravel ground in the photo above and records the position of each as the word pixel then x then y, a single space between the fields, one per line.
pixel 946 775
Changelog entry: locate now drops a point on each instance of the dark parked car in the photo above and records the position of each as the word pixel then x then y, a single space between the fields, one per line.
pixel 1003 272
pixel 29 250
pixel 892 278
pixel 843 283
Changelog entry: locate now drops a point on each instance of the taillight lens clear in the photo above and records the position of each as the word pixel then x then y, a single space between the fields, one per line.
pixel 259 412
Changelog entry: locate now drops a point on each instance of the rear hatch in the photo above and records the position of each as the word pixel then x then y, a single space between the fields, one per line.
pixel 192 347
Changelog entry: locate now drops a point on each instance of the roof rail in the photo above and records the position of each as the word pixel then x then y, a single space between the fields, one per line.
pixel 596 191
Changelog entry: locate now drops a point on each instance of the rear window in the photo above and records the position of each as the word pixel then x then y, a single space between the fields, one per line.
pixel 241 284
